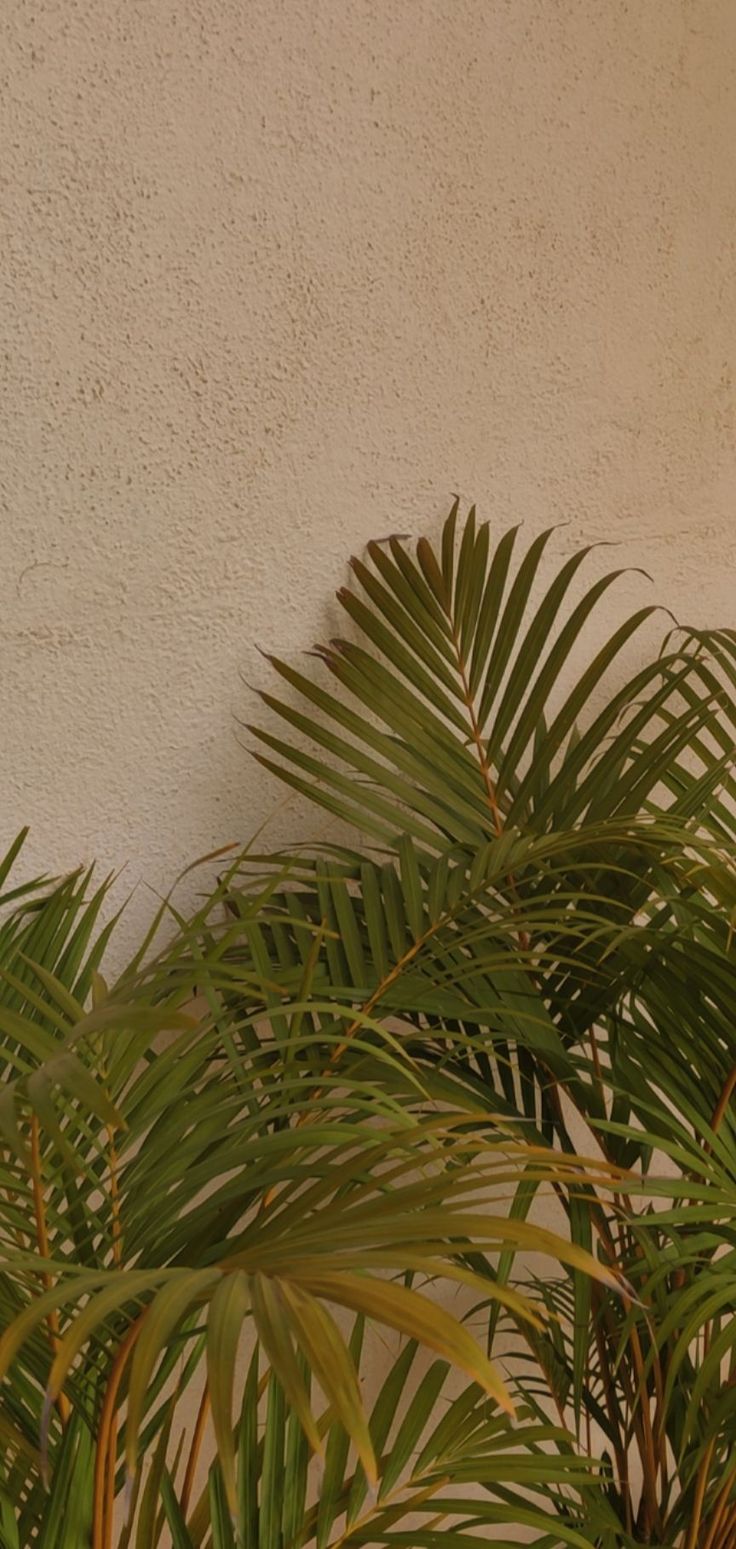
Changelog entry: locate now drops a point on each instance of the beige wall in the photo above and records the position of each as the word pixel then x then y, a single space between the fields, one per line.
pixel 279 275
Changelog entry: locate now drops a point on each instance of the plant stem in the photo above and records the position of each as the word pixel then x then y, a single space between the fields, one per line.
pixel 197 1438
pixel 723 1101
pixel 700 1488
pixel 728 1535
pixel 720 1508
pixel 105 1458
pixel 42 1239
pixel 476 733
pixel 613 1415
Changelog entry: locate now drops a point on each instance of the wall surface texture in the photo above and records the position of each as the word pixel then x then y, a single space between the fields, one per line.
pixel 280 275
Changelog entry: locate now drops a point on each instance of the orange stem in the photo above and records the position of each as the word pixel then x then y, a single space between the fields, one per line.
pixel 700 1488
pixel 354 1027
pixel 104 1478
pixel 196 1447
pixel 728 1533
pixel 723 1101
pixel 720 1508
pixel 42 1239
pixel 477 736
pixel 485 768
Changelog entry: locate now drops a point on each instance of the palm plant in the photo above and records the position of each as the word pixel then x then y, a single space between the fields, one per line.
pixel 542 901
pixel 364 1072
pixel 182 1170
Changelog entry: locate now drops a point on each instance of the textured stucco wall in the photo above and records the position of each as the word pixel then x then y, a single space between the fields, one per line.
pixel 278 275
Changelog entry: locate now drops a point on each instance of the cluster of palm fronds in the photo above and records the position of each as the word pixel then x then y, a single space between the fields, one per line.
pixel 361 1073
pixel 178 1164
